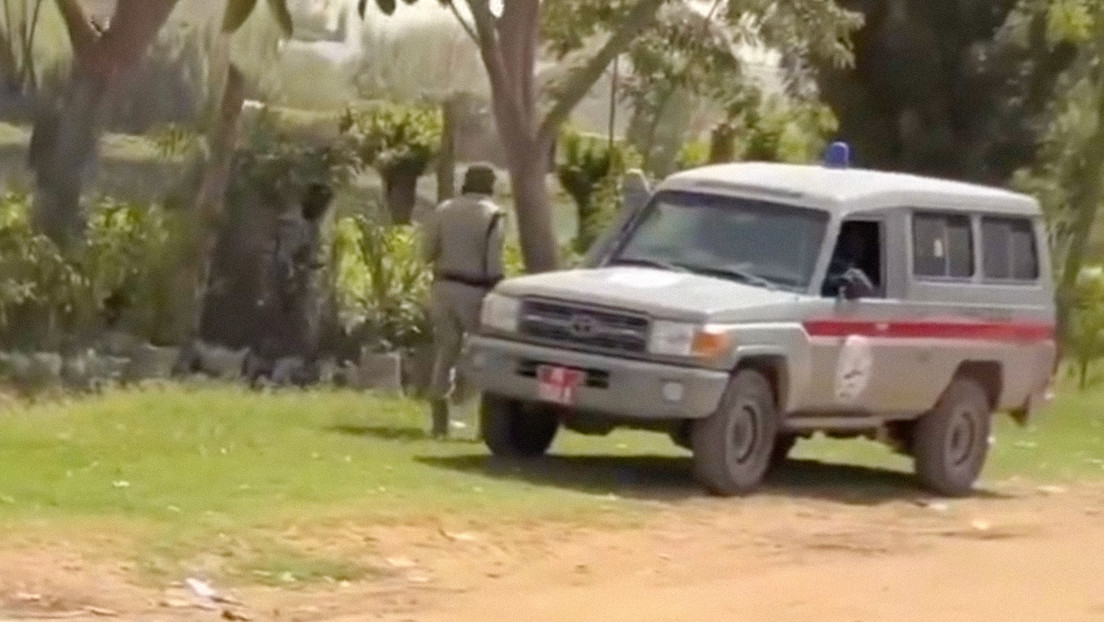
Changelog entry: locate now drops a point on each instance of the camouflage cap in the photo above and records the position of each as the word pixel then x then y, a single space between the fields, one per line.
pixel 479 179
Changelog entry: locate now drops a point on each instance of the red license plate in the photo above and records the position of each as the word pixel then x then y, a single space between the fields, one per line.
pixel 558 385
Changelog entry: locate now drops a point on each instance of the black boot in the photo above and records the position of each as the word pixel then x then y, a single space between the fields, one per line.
pixel 440 419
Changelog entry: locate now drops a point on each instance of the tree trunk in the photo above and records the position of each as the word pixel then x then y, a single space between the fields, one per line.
pixel 446 157
pixel 528 172
pixel 211 199
pixel 508 45
pixel 63 152
pixel 722 144
pixel 64 141
pixel 402 193
pixel 11 77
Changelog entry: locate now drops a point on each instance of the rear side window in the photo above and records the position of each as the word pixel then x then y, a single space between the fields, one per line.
pixel 1008 249
pixel 942 246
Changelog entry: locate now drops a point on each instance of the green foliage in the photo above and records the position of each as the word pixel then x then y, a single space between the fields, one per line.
pixel 691 56
pixel 278 167
pixel 1085 334
pixel 590 172
pixel 120 273
pixel 394 139
pixel 1067 175
pixel 775 129
pixel 173 141
pixel 382 283
pixel 693 154
pixel 1069 20
pixel 785 130
pixel 965 98
pixel 512 259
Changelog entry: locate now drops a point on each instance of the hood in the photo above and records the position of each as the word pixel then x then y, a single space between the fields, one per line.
pixel 661 293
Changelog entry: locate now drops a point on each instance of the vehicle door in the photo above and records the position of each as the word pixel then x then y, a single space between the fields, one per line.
pixel 856 361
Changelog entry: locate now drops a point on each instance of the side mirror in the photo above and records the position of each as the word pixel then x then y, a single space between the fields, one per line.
pixel 854 285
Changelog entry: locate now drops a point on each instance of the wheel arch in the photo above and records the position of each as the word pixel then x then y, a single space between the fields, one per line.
pixel 988 374
pixel 775 369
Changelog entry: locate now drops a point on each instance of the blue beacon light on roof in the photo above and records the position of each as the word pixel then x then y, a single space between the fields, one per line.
pixel 838 155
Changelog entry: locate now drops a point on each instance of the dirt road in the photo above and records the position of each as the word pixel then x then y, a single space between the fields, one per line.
pixel 1021 553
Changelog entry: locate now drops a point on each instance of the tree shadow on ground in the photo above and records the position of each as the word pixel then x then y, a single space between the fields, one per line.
pixel 670 478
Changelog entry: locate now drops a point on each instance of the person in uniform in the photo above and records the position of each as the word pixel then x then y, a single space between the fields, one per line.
pixel 463 243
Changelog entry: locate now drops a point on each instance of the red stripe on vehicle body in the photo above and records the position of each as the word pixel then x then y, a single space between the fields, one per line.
pixel 979 331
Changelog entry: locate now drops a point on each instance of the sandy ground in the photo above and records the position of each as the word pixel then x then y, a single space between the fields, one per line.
pixel 1018 553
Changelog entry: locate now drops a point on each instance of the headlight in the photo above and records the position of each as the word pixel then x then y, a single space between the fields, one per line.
pixel 500 313
pixel 682 339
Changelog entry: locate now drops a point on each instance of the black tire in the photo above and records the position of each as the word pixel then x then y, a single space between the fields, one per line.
pixel 514 429
pixel 733 446
pixel 951 443
pixel 681 435
pixel 783 445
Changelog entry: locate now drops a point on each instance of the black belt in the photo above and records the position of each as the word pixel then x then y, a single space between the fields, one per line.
pixel 485 283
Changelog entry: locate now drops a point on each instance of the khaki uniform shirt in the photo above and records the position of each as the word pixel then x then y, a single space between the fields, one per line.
pixel 464 238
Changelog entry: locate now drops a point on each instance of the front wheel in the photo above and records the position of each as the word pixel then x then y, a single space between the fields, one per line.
pixel 733 446
pixel 516 429
pixel 951 442
pixel 783 445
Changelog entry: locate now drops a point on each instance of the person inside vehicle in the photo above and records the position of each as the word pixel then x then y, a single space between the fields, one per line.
pixel 850 261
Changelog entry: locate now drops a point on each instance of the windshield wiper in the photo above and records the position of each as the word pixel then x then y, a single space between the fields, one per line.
pixel 651 263
pixel 728 272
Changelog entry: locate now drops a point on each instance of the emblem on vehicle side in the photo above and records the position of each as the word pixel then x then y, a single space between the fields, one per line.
pixel 853 369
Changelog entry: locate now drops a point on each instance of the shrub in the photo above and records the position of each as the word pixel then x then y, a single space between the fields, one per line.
pixel 399 142
pixel 382 285
pixel 590 172
pixel 118 276
pixel 692 155
pixel 1085 337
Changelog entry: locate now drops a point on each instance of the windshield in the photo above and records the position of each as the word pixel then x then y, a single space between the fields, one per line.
pixel 749 240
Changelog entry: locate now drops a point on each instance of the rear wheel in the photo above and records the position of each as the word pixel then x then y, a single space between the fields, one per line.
pixel 950 443
pixel 733 446
pixel 516 429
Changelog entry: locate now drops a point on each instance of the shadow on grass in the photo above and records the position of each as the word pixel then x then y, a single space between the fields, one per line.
pixel 382 432
pixel 670 478
pixel 392 433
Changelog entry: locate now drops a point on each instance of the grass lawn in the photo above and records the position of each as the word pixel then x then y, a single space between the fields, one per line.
pixel 212 456
pixel 166 472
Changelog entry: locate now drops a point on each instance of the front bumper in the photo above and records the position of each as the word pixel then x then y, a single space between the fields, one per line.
pixel 617 387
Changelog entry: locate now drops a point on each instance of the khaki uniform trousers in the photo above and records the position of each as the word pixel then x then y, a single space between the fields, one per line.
pixel 454 312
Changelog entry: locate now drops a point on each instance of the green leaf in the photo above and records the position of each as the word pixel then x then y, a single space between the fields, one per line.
pixel 237 11
pixel 282 15
pixel 1068 20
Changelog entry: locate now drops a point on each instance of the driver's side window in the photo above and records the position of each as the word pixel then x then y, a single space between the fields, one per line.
pixel 859 246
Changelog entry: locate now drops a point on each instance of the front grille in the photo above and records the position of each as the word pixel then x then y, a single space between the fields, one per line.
pixel 588 328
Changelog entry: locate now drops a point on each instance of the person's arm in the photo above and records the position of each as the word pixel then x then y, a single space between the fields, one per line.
pixel 431 238
pixel 496 240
